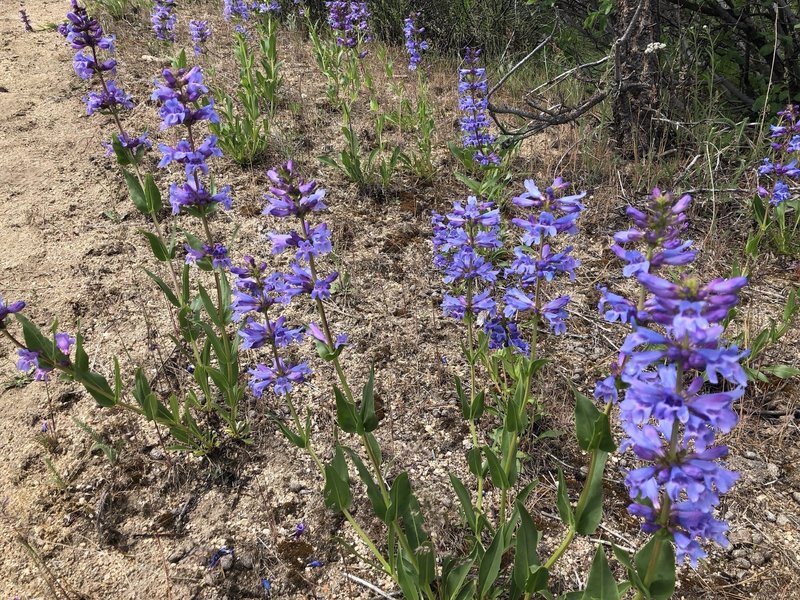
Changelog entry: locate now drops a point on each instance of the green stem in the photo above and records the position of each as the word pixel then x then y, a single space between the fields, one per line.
pixel 473 428
pixel 561 548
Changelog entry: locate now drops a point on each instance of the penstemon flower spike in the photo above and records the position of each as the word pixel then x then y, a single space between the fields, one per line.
pixel 85 35
pixel 473 103
pixel 414 45
pixel 671 421
pixel 163 19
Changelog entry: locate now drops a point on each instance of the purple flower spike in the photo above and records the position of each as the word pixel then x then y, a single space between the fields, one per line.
pixel 473 103
pixel 26 22
pixel 670 418
pixel 200 33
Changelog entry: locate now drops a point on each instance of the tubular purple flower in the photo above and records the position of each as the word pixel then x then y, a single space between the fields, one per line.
pixel 9 309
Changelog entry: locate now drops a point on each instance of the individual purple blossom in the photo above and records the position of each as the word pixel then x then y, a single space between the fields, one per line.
pixel 64 342
pixel 473 102
pixel 317 333
pixel 414 45
pixel 200 33
pixel 218 554
pixel 110 97
pixel 280 377
pixel 190 194
pixel 504 333
pixel 29 359
pixel 134 144
pixel 299 530
pixel 44 427
pixel 26 22
pixel 163 18
pixel 8 309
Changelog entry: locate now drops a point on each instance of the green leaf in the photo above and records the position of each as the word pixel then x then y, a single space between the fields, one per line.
pixel 499 478
pixel 525 556
pixel 474 461
pixel 290 435
pixel 490 564
pixel 152 195
pixel 601 584
pixel 160 251
pixel 373 491
pixel 136 192
pixel 337 483
pixel 466 502
pixel 589 511
pixel 369 420
pixel 98 388
pixel 781 371
pixel 624 558
pixel 34 339
pixel 562 500
pixel 117 381
pixel 165 289
pixel 211 309
pixel 591 425
pixel 454 576
pixel 400 496
pixel 346 416
pixel 662 579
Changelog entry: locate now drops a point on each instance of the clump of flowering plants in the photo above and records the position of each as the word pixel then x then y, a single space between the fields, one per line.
pixel 776 206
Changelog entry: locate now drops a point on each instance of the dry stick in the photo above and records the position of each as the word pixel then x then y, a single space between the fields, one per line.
pixel 166 568
pixel 368 585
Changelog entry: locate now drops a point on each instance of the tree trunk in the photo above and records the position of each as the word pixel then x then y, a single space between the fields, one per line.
pixel 636 103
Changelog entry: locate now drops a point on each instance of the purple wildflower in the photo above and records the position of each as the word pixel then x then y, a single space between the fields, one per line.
pixel 414 45
pixel 26 22
pixel 163 19
pixel 200 33
pixel 473 103
pixel 8 309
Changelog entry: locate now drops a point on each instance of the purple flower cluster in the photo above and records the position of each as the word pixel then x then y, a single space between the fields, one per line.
pixel 669 416
pixel 414 45
pixel 85 35
pixel 26 22
pixel 184 100
pixel 216 254
pixel 350 22
pixel 261 293
pixel 473 102
pixel 200 33
pixel 243 10
pixel 552 214
pixel 781 169
pixel 162 19
pixel 467 240
pixel 29 359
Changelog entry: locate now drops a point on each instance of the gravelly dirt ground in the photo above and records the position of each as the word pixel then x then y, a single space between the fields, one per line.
pixel 147 528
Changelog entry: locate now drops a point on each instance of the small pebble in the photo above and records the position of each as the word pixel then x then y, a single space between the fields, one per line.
pixel 796 496
pixel 769 516
pixel 226 562
pixel 758 558
pixel 782 520
pixel 742 563
pixel 296 486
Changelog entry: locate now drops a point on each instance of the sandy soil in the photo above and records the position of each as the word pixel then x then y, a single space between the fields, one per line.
pixel 147 527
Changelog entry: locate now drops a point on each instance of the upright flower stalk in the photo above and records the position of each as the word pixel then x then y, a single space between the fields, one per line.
pixel 85 35
pixel 200 33
pixel 473 103
pixel 667 364
pixel 415 45
pixel 163 19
